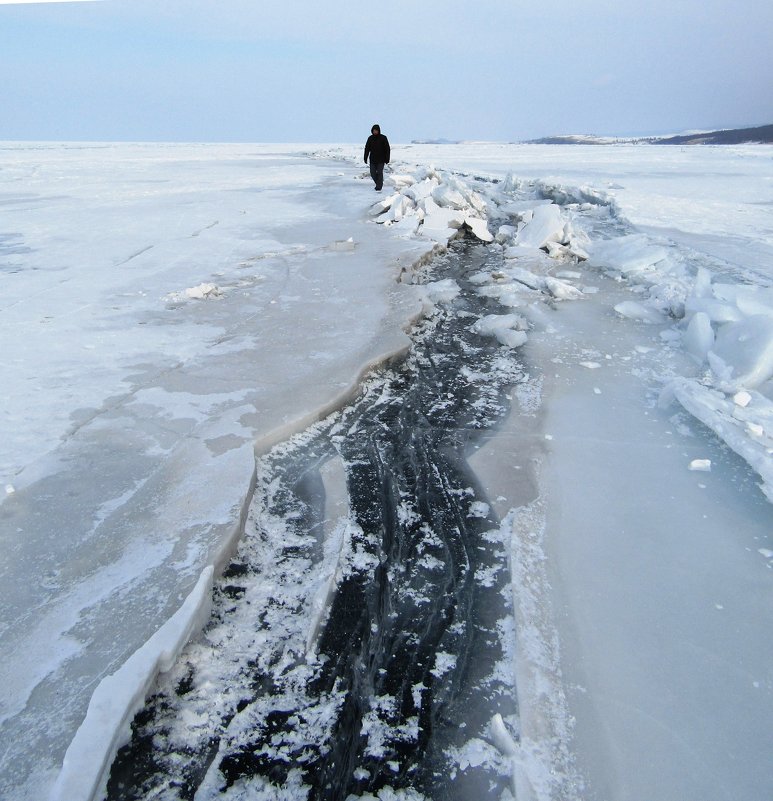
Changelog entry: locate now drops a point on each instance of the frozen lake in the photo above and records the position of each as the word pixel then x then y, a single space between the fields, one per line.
pixel 130 410
pixel 166 309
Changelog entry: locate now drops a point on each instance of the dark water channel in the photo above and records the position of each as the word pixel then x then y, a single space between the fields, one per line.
pixel 414 656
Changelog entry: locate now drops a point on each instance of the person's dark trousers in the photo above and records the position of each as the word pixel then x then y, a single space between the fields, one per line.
pixel 377 174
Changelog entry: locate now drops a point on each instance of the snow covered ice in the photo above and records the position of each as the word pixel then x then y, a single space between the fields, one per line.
pixel 166 308
pixel 132 405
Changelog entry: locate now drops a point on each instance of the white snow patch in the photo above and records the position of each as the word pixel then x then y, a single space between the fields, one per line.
pixel 200 292
pixel 543 765
pixel 561 290
pixel 441 292
pixel 506 328
pixel 443 663
pixel 478 509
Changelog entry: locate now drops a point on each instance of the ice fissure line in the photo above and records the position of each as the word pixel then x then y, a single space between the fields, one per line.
pixel 378 702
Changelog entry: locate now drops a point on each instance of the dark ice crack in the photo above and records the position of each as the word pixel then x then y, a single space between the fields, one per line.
pixel 345 656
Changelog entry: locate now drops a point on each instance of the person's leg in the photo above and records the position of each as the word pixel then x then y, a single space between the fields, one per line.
pixel 377 174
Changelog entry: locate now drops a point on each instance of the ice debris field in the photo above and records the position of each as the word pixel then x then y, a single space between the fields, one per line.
pixel 168 309
pixel 727 328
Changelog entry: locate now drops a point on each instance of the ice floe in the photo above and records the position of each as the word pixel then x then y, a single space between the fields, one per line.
pixel 201 292
pixel 509 329
pixel 542 225
pixel 439 292
pixel 434 206
pixel 747 428
pixel 726 328
pixel 630 254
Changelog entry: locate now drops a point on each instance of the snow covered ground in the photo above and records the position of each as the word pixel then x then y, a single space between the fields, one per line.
pixel 164 307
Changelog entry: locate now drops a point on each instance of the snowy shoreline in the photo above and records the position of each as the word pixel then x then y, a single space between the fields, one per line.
pixel 725 330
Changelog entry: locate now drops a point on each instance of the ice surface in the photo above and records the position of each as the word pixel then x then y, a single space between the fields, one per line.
pixel 118 697
pixel 725 322
pixel 636 571
pixel 639 311
pixel 699 336
pixel 628 254
pixel 435 206
pixel 131 413
pixel 164 307
pixel 637 551
pixel 746 348
pixel 546 224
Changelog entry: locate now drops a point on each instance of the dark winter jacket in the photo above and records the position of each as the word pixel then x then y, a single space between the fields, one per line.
pixel 378 148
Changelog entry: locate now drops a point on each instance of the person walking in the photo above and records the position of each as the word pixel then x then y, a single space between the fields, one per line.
pixel 377 147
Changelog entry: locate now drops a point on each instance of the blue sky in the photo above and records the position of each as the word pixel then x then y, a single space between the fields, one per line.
pixel 264 70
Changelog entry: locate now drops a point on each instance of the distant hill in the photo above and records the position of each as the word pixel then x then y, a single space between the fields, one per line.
pixel 434 141
pixel 579 139
pixel 737 136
